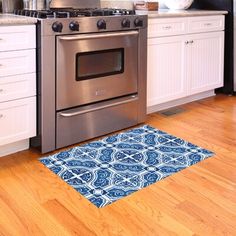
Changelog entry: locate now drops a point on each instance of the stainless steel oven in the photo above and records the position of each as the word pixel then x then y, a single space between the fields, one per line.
pixel 91 73
pixel 96 67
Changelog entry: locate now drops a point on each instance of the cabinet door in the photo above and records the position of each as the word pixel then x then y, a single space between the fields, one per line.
pixel 17 86
pixel 203 24
pixel 205 61
pixel 17 120
pixel 166 69
pixel 17 37
pixel 17 62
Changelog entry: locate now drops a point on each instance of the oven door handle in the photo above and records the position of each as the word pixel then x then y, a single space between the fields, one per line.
pixel 97 36
pixel 110 104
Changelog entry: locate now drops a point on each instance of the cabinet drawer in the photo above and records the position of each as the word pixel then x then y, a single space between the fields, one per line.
pixel 17 62
pixel 17 120
pixel 120 117
pixel 206 24
pixel 18 86
pixel 17 37
pixel 166 27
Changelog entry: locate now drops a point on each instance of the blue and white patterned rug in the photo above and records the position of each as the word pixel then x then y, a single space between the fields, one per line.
pixel 116 166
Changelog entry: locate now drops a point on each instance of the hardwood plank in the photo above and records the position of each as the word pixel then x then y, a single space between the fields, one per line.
pixel 199 201
pixel 27 210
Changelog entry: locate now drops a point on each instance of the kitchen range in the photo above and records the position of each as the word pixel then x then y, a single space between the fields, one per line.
pixel 91 72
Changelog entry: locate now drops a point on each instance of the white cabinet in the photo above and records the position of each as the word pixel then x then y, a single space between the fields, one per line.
pixel 17 62
pixel 17 37
pixel 166 59
pixel 205 62
pixel 166 27
pixel 188 63
pixel 17 120
pixel 206 24
pixel 17 87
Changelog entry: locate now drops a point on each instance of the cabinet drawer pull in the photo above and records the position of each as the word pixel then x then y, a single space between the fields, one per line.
pixel 166 27
pixel 208 24
pixel 186 42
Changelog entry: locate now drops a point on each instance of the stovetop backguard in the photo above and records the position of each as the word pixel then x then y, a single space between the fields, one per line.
pixel 74 3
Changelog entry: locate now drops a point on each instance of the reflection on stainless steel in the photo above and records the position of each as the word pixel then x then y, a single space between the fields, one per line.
pixel 101 105
pixel 75 3
pixel 96 36
pixel 8 6
pixel 48 3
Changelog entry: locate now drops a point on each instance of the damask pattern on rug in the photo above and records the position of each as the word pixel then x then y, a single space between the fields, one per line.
pixel 116 166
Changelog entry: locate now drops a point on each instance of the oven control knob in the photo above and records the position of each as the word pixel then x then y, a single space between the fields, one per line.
pixel 57 26
pixel 74 26
pixel 125 23
pixel 138 22
pixel 101 24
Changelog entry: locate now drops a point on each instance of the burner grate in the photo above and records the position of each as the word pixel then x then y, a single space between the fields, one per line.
pixel 71 12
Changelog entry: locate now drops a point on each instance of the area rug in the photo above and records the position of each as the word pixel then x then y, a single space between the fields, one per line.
pixel 116 166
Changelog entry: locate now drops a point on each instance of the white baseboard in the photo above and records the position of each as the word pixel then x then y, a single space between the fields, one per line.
pixel 180 101
pixel 14 147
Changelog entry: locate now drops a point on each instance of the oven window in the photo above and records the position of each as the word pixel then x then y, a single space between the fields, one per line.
pixel 90 65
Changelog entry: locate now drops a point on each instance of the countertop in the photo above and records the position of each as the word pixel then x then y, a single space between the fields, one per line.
pixel 10 19
pixel 161 13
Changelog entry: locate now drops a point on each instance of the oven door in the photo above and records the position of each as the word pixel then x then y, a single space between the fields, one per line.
pixel 96 67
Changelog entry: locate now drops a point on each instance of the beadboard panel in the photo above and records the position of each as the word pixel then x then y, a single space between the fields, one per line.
pixel 166 72
pixel 206 62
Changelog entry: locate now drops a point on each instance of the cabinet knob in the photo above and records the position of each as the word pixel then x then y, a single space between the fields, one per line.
pixel 1 90
pixel 1 116
pixel 189 42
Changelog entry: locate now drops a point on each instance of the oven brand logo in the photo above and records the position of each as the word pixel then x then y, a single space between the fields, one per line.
pixel 100 92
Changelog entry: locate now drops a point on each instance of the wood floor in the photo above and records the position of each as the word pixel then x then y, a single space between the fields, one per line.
pixel 200 200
